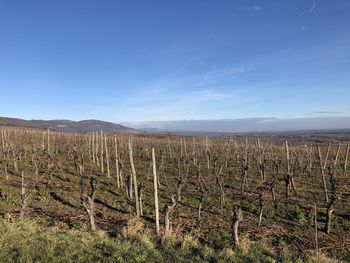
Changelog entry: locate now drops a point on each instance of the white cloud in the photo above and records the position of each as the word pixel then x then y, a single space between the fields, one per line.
pixel 267 120
pixel 219 73
pixel 206 95
pixel 255 7
pixel 181 105
pixel 310 10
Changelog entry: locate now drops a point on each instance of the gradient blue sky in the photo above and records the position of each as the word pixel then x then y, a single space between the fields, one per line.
pixel 168 60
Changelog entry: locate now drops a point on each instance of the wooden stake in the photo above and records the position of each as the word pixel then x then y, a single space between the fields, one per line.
pixel 93 148
pixel 116 160
pixel 137 205
pixel 101 145
pixel 316 234
pixel 155 185
pixel 323 175
pixel 346 157
pixel 48 141
pixel 337 154
pixel 326 158
pixel 107 157
pixel 24 198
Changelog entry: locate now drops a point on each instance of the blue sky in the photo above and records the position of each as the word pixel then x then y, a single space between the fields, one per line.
pixel 168 60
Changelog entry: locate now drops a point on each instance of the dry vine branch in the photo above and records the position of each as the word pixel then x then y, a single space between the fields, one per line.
pixel 237 217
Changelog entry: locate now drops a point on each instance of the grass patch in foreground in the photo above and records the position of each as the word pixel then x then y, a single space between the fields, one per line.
pixel 33 241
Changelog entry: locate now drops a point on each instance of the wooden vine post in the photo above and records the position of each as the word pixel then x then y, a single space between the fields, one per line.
pixel 48 141
pixel 245 167
pixel 24 198
pixel 346 157
pixel 155 185
pixel 316 227
pixel 101 146
pixel 107 157
pixel 322 173
pixel 117 161
pixel 134 178
pixel 288 176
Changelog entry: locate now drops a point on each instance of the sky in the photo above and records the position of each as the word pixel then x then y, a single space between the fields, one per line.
pixel 150 60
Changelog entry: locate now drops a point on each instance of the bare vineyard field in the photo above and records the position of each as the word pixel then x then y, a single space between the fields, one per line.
pixel 222 192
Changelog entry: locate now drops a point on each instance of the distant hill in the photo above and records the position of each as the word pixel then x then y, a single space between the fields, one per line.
pixel 66 125
pixel 244 125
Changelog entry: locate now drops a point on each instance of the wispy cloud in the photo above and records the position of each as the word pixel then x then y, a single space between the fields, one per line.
pixel 167 105
pixel 205 96
pixel 313 6
pixel 310 10
pixel 219 73
pixel 254 8
pixel 266 120
pixel 328 112
pixel 329 53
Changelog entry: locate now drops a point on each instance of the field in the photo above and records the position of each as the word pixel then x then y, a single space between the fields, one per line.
pixel 91 198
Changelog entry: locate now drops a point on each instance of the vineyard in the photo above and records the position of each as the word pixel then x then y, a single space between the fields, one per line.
pixel 222 194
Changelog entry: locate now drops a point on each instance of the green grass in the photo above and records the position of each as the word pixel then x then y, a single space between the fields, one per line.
pixel 36 241
pixel 31 242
